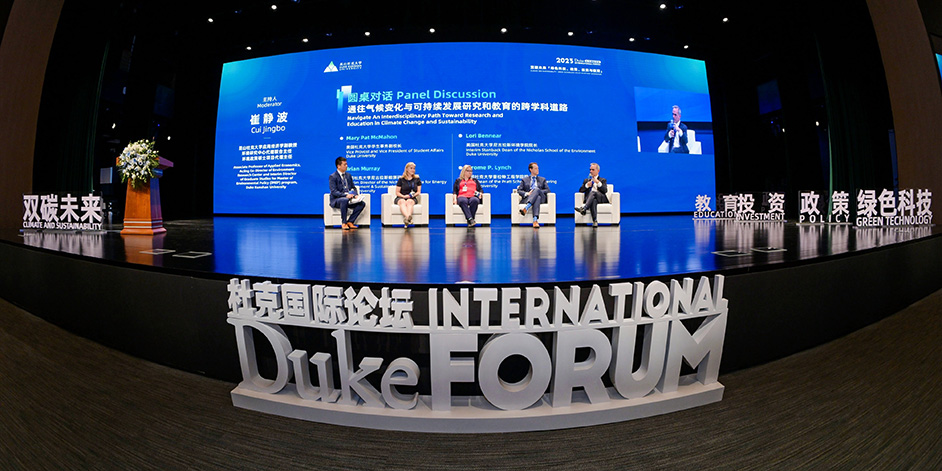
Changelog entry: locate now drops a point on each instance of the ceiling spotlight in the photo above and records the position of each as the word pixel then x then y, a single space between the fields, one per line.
pixel 663 6
pixel 210 20
pixel 115 124
pixel 631 40
pixel 816 123
pixel 431 30
pixel 248 48
pixel 168 138
pixel 304 40
pixel 569 33
pixel 367 33
pixel 686 46
pixel 274 7
pixel 725 20
pixel 503 30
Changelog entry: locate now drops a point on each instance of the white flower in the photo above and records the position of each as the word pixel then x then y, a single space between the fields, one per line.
pixel 137 162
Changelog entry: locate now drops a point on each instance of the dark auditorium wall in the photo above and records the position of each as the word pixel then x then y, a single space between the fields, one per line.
pixel 783 68
pixel 915 96
pixel 24 52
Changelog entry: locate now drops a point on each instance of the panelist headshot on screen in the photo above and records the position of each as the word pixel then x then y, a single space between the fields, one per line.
pixel 344 195
pixel 676 135
pixel 533 190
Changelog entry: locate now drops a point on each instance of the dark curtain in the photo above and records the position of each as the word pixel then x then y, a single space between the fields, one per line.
pixel 858 108
pixel 68 116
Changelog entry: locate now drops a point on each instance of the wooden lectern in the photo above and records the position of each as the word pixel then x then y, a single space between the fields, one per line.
pixel 142 208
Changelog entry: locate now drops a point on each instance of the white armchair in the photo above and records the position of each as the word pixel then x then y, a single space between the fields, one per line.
pixel 547 210
pixel 332 214
pixel 694 146
pixel 609 213
pixel 454 215
pixel 390 214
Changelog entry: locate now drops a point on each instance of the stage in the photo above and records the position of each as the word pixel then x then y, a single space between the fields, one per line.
pixel 777 288
pixel 301 248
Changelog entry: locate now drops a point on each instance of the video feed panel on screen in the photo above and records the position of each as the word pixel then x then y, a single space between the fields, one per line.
pixel 283 120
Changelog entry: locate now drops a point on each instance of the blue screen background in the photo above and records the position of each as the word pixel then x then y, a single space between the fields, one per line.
pixel 282 120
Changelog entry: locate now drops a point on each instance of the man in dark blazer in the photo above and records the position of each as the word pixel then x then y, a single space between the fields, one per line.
pixel 676 135
pixel 533 192
pixel 342 192
pixel 594 191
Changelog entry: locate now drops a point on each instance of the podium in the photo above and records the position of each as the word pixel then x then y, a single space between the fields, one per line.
pixel 142 209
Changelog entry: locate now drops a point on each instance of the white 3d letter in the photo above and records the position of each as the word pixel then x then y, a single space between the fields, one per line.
pixel 445 369
pixel 279 343
pixel 527 391
pixel 588 373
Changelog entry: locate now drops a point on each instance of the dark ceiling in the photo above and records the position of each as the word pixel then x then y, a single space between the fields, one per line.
pixel 698 25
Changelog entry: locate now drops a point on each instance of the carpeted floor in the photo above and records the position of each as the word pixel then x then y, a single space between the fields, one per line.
pixel 871 400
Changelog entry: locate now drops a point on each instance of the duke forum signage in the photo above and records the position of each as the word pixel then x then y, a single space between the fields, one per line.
pixel 616 353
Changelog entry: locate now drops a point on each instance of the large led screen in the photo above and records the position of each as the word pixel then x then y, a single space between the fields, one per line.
pixel 283 120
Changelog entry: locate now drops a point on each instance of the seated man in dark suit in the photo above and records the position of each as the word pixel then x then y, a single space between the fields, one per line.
pixel 676 135
pixel 342 192
pixel 533 191
pixel 594 191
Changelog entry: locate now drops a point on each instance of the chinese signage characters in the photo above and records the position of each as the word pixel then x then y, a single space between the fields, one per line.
pixel 866 208
pixel 53 212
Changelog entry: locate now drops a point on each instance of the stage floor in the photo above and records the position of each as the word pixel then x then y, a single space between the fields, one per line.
pixel 302 249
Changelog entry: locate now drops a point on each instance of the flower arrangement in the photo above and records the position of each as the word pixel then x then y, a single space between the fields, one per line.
pixel 137 162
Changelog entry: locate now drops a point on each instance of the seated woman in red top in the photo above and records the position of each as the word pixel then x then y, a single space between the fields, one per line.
pixel 467 194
